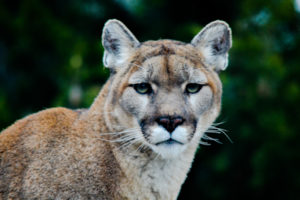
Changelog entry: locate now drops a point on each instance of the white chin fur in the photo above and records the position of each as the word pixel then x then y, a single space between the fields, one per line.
pixel 169 150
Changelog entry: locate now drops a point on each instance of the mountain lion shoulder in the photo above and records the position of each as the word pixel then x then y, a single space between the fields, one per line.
pixel 138 138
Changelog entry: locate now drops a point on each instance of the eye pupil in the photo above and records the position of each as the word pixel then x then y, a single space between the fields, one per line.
pixel 193 88
pixel 143 88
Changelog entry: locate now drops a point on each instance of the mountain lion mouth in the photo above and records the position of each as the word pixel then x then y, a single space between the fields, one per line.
pixel 169 142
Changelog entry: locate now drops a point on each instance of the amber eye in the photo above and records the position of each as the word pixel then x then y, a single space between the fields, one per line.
pixel 193 88
pixel 142 88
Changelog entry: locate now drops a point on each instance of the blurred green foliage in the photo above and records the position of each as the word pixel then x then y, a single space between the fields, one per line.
pixel 51 55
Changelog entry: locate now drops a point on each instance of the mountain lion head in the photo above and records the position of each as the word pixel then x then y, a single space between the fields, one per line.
pixel 164 94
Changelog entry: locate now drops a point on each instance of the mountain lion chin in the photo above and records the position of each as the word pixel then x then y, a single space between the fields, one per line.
pixel 169 149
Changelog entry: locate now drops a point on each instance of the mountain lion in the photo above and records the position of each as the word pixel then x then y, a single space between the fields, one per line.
pixel 138 138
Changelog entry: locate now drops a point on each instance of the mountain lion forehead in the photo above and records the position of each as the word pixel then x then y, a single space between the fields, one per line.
pixel 167 68
pixel 151 49
pixel 167 60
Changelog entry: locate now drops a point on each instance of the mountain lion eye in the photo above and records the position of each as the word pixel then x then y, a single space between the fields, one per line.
pixel 143 88
pixel 193 88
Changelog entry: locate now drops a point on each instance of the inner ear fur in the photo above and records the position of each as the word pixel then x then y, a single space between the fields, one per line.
pixel 214 42
pixel 118 43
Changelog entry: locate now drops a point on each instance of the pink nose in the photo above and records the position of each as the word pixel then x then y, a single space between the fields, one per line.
pixel 170 123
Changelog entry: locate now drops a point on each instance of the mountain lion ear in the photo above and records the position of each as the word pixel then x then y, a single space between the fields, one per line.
pixel 214 42
pixel 118 43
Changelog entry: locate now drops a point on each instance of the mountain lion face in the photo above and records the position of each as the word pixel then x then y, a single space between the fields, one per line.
pixel 165 93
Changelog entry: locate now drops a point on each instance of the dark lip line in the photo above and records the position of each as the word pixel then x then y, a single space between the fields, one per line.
pixel 169 140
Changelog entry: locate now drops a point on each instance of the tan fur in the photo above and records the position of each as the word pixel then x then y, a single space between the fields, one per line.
pixel 75 154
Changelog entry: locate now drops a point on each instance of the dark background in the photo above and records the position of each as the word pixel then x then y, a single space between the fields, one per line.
pixel 51 55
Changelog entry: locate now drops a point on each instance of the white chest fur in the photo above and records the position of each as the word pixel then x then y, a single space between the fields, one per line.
pixel 155 177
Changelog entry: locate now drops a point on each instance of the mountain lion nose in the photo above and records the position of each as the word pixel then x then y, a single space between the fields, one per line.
pixel 170 123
